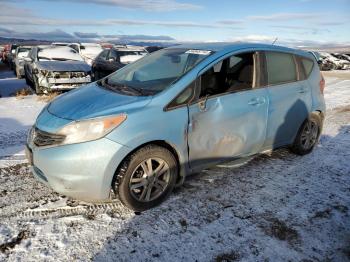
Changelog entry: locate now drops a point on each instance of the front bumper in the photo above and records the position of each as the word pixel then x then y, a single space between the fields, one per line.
pixel 83 171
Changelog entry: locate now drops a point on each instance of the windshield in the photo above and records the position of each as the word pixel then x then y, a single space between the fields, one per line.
pixel 155 72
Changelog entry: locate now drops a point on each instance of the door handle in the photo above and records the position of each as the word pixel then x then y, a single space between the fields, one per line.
pixel 253 102
pixel 302 90
pixel 257 101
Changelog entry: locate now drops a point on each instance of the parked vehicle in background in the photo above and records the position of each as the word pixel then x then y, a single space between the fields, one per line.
pixel 2 48
pixel 5 52
pixel 106 45
pixel 151 49
pixel 10 56
pixel 179 110
pixel 327 65
pixel 21 53
pixel 50 68
pixel 338 63
pixel 110 60
pixel 342 56
pixel 88 51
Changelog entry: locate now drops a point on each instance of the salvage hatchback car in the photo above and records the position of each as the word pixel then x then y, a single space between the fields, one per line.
pixel 49 68
pixel 139 131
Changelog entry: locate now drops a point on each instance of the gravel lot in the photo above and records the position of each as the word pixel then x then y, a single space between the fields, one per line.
pixel 276 207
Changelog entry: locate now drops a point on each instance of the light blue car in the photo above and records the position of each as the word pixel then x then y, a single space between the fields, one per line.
pixel 141 130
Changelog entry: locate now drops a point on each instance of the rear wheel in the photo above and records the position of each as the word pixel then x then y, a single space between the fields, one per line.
pixel 146 178
pixel 308 135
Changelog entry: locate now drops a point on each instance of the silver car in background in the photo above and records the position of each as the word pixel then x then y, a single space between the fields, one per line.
pixel 88 51
pixel 21 53
pixel 50 68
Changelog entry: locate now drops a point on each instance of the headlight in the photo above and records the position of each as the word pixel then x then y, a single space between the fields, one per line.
pixel 92 129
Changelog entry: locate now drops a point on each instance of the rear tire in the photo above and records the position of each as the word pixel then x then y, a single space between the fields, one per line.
pixel 138 183
pixel 308 135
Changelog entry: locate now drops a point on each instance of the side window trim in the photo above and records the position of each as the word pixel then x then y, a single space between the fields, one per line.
pixel 300 68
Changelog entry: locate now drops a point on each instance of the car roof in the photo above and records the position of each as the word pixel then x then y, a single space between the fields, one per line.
pixel 229 47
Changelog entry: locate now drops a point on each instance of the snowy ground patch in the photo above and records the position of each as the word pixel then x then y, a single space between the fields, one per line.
pixel 277 207
pixel 17 115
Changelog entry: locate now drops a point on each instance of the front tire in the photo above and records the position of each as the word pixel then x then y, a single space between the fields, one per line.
pixel 146 178
pixel 18 74
pixel 36 86
pixel 308 135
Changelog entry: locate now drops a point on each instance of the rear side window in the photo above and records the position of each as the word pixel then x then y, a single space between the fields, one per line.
pixel 281 68
pixel 308 66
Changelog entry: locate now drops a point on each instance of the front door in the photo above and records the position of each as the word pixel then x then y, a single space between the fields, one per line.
pixel 229 118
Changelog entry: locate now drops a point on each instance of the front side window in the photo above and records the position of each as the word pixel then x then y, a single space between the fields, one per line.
pixel 281 68
pixel 155 72
pixel 113 55
pixel 103 55
pixel 234 74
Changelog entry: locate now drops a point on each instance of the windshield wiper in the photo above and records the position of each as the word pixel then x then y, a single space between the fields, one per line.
pixel 121 88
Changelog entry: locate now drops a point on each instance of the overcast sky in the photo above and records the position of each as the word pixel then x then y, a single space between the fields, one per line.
pixel 299 21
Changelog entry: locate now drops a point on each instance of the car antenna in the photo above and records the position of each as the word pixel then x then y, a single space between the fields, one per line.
pixel 274 41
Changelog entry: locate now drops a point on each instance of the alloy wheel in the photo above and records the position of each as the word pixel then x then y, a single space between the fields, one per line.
pixel 149 180
pixel 309 135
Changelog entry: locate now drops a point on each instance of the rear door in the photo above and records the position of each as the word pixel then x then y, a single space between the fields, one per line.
pixel 289 98
pixel 229 118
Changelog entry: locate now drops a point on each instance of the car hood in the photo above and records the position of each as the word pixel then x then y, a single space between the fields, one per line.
pixel 93 101
pixel 64 66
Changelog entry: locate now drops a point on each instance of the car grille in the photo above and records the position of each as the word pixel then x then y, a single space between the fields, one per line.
pixel 42 138
pixel 68 74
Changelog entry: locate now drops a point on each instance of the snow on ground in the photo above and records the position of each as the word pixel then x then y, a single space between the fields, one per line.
pixel 277 207
pixel 17 115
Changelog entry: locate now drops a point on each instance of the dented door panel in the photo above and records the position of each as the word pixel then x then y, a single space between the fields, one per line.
pixel 231 125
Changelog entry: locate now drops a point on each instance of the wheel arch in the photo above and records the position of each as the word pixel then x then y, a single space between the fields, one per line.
pixel 161 143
